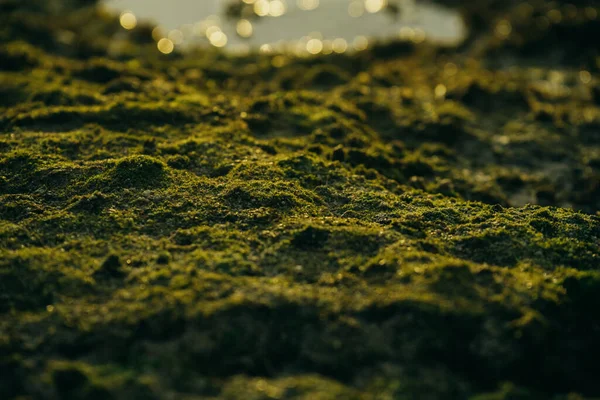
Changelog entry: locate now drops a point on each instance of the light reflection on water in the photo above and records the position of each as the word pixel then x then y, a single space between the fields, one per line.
pixel 309 26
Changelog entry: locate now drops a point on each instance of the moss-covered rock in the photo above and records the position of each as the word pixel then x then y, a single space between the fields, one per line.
pixel 404 222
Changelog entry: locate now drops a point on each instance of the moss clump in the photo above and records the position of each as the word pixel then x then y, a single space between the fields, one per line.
pixel 405 222
pixel 138 171
pixel 92 203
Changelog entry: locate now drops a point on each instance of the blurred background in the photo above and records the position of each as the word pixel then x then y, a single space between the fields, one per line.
pixel 302 27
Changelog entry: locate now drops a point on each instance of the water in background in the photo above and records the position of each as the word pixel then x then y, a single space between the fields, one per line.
pixel 300 26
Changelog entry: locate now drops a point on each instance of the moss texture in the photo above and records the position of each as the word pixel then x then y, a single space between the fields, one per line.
pixel 406 222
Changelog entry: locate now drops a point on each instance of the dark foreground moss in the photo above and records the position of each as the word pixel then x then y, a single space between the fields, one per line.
pixel 425 225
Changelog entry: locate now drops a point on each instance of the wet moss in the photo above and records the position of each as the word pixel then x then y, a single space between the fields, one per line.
pixel 92 203
pixel 406 222
pixel 138 171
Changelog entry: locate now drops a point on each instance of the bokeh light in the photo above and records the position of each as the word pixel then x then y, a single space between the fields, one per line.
pixel 314 46
pixel 276 8
pixel 340 45
pixel 308 5
pixel 165 46
pixel 128 20
pixel 360 43
pixel 218 39
pixel 244 28
pixel 373 6
pixel 356 8
pixel 262 8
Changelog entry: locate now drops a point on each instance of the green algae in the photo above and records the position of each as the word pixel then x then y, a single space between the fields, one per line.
pixel 405 222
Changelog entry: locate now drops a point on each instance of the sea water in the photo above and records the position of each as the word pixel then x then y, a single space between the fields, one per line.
pixel 311 25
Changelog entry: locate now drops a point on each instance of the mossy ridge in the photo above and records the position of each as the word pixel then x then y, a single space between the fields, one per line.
pixel 313 236
pixel 268 299
pixel 265 290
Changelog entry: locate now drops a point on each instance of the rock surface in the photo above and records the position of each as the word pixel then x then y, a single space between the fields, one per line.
pixel 406 222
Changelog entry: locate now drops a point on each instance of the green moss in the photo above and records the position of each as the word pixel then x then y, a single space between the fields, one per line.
pixel 206 226
pixel 138 171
